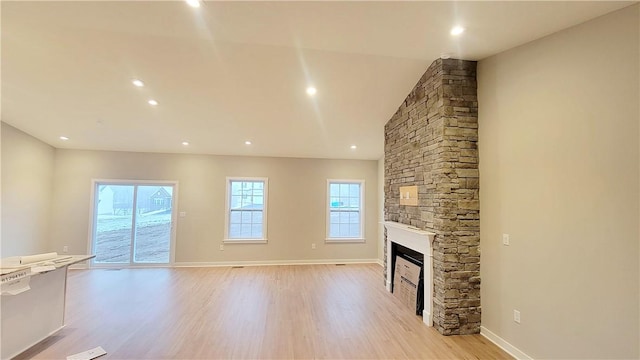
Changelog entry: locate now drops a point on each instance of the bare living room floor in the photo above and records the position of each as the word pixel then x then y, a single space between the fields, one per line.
pixel 268 312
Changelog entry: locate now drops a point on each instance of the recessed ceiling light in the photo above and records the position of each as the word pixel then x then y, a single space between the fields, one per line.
pixel 194 3
pixel 138 83
pixel 185 143
pixel 457 30
pixel 353 147
pixel 311 90
pixel 64 138
pixel 152 102
pixel 247 142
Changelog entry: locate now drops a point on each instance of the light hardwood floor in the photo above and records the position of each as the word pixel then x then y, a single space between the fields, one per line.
pixel 274 312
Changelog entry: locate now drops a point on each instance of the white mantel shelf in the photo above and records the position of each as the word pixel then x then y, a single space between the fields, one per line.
pixel 422 242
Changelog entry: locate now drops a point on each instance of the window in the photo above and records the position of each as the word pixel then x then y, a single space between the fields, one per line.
pixel 345 210
pixel 132 222
pixel 246 210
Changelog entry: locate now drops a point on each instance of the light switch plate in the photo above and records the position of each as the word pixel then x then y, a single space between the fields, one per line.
pixel 409 195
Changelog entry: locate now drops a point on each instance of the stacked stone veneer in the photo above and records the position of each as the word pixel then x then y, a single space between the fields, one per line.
pixel 431 142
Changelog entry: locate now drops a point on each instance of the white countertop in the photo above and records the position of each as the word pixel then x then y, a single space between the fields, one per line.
pixel 59 262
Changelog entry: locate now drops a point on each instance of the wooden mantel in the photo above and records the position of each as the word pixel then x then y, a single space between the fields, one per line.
pixel 422 242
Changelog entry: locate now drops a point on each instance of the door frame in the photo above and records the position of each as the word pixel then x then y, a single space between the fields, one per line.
pixel 174 220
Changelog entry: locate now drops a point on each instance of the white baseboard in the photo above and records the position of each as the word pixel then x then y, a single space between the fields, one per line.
pixel 275 262
pixel 503 344
pixel 234 263
pixel 426 318
pixel 380 262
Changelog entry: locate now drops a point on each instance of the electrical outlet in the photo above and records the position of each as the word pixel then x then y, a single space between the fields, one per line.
pixel 65 249
pixel 505 239
pixel 516 316
pixel 221 247
pixel 313 246
pixel 183 214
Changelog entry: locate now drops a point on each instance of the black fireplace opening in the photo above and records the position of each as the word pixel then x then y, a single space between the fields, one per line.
pixel 415 258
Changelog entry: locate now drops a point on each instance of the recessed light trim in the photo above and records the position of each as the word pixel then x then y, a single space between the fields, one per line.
pixel 64 138
pixel 152 102
pixel 137 83
pixel 247 142
pixel 185 143
pixel 353 147
pixel 311 90
pixel 457 30
pixel 193 3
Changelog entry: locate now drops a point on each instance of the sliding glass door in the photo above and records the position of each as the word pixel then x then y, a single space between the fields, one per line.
pixel 132 223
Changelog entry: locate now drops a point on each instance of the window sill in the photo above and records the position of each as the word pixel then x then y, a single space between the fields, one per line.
pixel 244 241
pixel 344 240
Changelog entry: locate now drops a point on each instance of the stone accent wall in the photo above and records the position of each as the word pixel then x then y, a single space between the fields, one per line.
pixel 431 142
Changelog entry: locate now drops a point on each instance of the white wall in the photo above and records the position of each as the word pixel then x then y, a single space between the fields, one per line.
pixel 27 174
pixel 296 209
pixel 381 210
pixel 559 171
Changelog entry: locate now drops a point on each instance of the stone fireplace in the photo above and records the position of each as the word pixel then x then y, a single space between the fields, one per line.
pixel 431 143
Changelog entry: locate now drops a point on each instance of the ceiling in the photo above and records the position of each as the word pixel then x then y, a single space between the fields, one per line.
pixel 228 72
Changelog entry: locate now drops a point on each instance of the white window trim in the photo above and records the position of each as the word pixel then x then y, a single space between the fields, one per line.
pixel 227 211
pixel 362 237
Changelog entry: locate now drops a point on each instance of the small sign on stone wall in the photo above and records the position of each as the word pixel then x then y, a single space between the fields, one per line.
pixel 409 195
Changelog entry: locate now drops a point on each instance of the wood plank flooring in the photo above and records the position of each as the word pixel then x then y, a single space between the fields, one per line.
pixel 266 312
